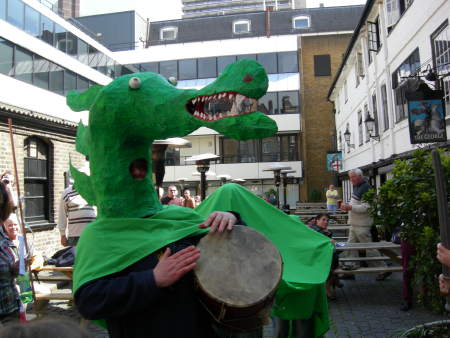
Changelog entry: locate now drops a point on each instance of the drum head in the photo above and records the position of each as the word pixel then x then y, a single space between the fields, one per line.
pixel 239 268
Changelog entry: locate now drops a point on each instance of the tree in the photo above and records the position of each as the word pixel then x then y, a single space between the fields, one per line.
pixel 408 202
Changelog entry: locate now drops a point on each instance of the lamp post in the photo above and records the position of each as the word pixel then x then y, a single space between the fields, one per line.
pixel 181 180
pixel 202 161
pixel 276 169
pixel 347 138
pixel 223 178
pixel 158 157
pixel 239 181
pixel 284 176
pixel 371 128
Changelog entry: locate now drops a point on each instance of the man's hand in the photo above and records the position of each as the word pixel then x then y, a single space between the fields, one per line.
pixel 443 285
pixel 64 241
pixel 346 207
pixel 219 221
pixel 443 254
pixel 171 268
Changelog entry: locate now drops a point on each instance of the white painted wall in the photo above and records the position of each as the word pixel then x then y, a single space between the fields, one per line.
pixel 412 30
pixel 24 95
pixel 255 45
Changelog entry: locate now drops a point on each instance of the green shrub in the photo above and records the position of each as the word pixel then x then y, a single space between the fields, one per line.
pixel 408 201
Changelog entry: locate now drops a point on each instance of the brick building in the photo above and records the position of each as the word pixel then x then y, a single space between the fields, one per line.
pixel 320 57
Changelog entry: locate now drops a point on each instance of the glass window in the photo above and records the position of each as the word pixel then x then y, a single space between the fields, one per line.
pixel 366 115
pixel 288 102
pixel 230 150
pixel 270 149
pixel 187 69
pixel 102 63
pixel 168 33
pixel 289 149
pixel 110 63
pixel 6 57
pixel 93 56
pixel 268 104
pixel 31 21
pixel 385 107
pixel 46 30
pixel 83 51
pixel 70 81
pixel 241 27
pixel 56 79
pixel 82 83
pixel 300 22
pixel 223 61
pixel 248 151
pixel 60 38
pixel 23 66
pixel 2 9
pixel 150 67
pixel 15 13
pixel 72 44
pixel 287 62
pixel 322 65
pixel 269 62
pixel 246 56
pixel 207 68
pixel 360 129
pixel 36 181
pixel 168 68
pixel 41 71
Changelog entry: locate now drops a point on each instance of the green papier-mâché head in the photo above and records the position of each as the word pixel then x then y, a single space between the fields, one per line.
pixel 128 114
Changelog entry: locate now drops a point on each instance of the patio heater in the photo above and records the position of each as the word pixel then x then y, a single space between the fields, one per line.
pixel 202 162
pixel 276 168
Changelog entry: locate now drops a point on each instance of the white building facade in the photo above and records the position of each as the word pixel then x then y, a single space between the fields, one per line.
pixel 394 41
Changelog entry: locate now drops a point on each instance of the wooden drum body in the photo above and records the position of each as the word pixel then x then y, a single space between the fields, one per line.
pixel 237 275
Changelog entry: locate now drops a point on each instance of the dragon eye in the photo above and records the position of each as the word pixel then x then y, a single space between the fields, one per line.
pixel 248 78
pixel 134 83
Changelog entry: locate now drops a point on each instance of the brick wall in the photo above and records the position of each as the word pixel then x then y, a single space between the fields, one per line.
pixel 61 146
pixel 318 125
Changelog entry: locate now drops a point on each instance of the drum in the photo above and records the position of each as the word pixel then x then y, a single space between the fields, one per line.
pixel 237 275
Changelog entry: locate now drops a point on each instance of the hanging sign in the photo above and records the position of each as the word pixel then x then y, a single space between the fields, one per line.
pixel 334 162
pixel 426 115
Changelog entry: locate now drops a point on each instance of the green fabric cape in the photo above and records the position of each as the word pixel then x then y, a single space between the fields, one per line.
pixel 110 245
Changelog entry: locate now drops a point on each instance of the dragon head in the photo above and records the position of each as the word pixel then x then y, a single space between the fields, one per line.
pixel 128 114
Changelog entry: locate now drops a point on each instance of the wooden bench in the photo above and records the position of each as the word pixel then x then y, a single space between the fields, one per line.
pixel 387 249
pixel 370 270
pixel 339 227
pixel 366 259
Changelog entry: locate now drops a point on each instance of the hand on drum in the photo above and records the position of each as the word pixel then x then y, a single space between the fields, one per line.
pixel 219 221
pixel 171 268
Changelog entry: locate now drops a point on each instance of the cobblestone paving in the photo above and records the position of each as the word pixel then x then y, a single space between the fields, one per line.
pixel 364 308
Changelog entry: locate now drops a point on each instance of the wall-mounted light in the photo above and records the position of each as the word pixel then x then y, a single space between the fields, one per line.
pixel 347 135
pixel 431 75
pixel 371 128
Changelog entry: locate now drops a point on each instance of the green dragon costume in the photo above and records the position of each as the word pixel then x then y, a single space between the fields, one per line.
pixel 126 116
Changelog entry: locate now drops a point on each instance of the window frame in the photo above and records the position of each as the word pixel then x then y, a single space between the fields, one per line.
pixel 301 17
pixel 173 29
pixel 241 22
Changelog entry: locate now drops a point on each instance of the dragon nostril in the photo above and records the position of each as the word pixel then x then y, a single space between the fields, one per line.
pixel 248 78
pixel 134 83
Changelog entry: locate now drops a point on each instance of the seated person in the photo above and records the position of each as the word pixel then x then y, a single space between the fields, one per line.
pixel 320 224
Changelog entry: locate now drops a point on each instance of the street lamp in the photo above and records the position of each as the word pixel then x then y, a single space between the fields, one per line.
pixel 158 157
pixel 202 162
pixel 239 181
pixel 223 178
pixel 284 176
pixel 347 138
pixel 371 128
pixel 276 168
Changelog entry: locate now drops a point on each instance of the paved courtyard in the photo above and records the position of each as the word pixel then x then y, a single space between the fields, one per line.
pixel 364 308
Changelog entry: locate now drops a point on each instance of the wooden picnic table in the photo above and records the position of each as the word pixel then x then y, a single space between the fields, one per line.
pixel 386 248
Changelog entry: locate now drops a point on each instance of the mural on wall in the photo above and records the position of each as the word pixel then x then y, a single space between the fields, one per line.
pixel 334 162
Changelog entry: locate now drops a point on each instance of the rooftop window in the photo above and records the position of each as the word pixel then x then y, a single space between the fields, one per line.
pixel 168 33
pixel 301 22
pixel 241 26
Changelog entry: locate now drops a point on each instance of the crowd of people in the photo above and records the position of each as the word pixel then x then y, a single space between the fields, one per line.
pixel 187 200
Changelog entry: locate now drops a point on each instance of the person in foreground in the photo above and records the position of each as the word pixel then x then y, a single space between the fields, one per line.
pixel 154 297
pixel 443 256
